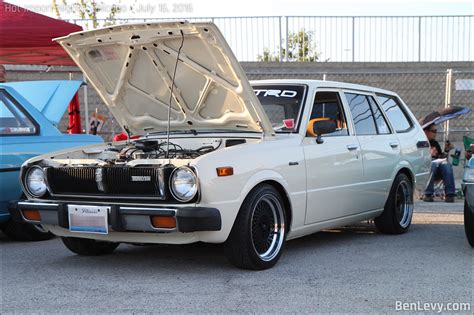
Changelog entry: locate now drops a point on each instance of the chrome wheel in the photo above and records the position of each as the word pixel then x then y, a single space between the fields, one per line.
pixel 267 227
pixel 404 204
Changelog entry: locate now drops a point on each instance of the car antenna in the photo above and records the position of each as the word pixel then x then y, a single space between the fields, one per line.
pixel 171 97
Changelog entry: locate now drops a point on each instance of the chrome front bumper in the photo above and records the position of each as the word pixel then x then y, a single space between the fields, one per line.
pixel 127 218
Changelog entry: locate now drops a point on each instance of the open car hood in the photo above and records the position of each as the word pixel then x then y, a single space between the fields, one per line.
pixel 51 98
pixel 132 67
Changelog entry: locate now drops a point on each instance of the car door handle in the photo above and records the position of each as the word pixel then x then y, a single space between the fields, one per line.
pixel 352 147
pixel 394 144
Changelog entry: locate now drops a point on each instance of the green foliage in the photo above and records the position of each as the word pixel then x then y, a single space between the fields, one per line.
pixel 268 56
pixel 89 9
pixel 301 47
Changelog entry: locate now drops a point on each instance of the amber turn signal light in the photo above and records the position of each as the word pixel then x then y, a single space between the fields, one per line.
pixel 32 215
pixel 225 171
pixel 162 222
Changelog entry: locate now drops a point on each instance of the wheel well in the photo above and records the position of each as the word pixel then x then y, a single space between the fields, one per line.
pixel 407 172
pixel 286 200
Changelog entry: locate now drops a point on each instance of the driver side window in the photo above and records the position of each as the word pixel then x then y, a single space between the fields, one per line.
pixel 328 105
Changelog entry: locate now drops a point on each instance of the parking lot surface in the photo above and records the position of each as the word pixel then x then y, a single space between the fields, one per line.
pixel 352 269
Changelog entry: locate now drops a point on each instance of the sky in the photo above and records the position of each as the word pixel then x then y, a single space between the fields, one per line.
pixel 212 8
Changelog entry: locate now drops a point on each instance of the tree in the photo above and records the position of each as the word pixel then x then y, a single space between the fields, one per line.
pixel 300 48
pixel 89 9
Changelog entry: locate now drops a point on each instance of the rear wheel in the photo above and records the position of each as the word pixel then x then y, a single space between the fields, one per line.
pixel 469 223
pixel 398 211
pixel 27 232
pixel 88 247
pixel 258 235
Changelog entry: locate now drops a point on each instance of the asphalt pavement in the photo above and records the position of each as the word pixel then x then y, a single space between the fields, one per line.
pixel 348 270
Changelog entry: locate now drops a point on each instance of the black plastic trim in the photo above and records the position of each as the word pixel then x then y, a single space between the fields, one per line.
pixel 198 219
pixel 10 169
pixel 422 144
pixel 116 219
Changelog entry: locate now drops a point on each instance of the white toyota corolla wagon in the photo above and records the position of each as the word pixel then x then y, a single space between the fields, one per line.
pixel 221 159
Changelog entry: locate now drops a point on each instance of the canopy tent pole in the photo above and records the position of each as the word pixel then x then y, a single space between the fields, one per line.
pixel 447 101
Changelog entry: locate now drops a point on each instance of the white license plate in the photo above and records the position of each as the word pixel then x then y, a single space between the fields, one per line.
pixel 88 219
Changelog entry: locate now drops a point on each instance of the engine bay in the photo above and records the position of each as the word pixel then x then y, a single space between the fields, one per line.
pixel 145 151
pixel 153 149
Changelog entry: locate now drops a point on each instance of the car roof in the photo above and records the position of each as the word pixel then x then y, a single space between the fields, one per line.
pixel 324 84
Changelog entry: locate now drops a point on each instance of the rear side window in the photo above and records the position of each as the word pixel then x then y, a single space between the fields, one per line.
pixel 361 114
pixel 380 121
pixel 397 116
pixel 13 121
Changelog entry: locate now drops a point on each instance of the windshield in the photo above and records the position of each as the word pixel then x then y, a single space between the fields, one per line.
pixel 282 104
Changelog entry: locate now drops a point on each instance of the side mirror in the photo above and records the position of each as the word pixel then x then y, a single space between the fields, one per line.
pixel 320 126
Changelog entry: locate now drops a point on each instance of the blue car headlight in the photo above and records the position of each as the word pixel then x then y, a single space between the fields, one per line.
pixel 35 181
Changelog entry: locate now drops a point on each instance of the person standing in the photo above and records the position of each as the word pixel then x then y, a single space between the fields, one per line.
pixel 439 163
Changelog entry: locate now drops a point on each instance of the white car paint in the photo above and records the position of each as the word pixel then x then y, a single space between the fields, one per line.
pixel 344 180
pixel 340 192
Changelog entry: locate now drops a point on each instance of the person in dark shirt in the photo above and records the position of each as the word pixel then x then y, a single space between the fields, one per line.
pixel 435 147
pixel 440 164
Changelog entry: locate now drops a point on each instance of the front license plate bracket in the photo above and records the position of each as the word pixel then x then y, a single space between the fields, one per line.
pixel 88 219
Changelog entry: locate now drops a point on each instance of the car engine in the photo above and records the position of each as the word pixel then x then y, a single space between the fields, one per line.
pixel 153 149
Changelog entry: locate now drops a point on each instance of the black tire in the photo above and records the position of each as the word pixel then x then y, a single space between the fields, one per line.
pixel 469 223
pixel 25 232
pixel 253 243
pixel 88 247
pixel 398 211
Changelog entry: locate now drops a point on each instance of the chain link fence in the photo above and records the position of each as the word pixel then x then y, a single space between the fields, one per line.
pixel 423 90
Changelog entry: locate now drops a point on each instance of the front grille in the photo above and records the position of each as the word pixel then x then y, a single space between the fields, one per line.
pixel 107 181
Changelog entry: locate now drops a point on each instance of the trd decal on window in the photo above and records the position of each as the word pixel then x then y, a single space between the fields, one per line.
pixel 276 93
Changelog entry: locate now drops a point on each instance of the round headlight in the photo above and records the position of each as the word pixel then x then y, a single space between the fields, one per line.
pixel 35 182
pixel 183 184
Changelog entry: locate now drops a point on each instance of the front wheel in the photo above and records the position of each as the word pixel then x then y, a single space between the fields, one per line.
pixel 398 211
pixel 88 247
pixel 469 223
pixel 258 235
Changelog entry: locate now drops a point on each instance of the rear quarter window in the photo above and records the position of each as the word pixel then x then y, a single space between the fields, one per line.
pixel 395 113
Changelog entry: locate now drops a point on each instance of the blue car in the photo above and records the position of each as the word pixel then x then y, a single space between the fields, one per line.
pixel 29 114
pixel 468 190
